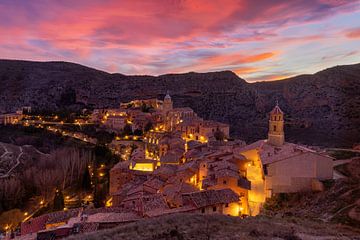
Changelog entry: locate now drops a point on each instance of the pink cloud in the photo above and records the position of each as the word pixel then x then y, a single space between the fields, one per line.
pixel 160 35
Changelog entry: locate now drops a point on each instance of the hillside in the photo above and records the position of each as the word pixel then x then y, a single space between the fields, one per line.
pixel 339 203
pixel 196 226
pixel 322 109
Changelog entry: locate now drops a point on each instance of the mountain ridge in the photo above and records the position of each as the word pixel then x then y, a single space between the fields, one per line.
pixel 321 108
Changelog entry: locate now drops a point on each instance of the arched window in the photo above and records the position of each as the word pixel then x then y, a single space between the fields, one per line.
pixel 274 128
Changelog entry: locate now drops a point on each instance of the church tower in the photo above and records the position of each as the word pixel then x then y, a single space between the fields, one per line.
pixel 276 134
pixel 168 104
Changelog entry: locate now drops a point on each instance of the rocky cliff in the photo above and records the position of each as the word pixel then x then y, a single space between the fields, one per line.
pixel 321 109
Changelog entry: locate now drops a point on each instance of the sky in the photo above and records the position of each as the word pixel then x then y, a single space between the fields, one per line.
pixel 259 40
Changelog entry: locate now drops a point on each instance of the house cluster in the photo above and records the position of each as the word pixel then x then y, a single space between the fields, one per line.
pixel 193 157
pixel 187 164
pixel 13 117
pixel 160 116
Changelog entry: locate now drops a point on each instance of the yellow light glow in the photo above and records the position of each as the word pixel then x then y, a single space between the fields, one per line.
pixel 101 174
pixel 41 202
pixel 108 203
pixel 145 167
pixel 26 213
pixel 67 197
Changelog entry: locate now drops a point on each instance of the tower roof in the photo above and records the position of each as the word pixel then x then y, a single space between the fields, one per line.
pixel 276 110
pixel 167 96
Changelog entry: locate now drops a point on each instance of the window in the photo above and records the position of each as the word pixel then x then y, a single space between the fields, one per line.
pixel 265 170
pixel 214 209
pixel 226 205
pixel 203 210
pixel 274 128
pixel 224 182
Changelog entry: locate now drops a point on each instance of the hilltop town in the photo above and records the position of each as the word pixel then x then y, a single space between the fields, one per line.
pixel 172 161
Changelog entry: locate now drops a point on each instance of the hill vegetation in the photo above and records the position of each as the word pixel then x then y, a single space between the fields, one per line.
pixel 205 227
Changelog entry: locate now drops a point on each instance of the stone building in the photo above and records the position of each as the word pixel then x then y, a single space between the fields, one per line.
pixel 277 166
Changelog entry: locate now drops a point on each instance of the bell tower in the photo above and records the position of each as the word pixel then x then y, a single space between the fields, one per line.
pixel 276 134
pixel 168 104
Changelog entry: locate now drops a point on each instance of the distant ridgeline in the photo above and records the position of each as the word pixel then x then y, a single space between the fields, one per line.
pixel 322 109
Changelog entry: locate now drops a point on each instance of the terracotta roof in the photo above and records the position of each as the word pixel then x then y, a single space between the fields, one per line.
pixel 173 192
pixel 183 109
pixel 121 165
pixel 62 216
pixel 165 170
pixel 85 227
pixel 173 156
pixel 190 165
pixel 210 197
pixel 155 201
pixel 160 212
pixel 270 153
pixel 154 183
pixel 113 217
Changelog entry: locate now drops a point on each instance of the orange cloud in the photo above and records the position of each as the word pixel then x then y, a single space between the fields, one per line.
pixel 246 70
pixel 353 33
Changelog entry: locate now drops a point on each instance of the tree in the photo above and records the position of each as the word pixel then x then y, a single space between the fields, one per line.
pixel 219 135
pixel 127 130
pixel 138 132
pixel 99 195
pixel 148 126
pixel 58 200
pixel 86 180
pixel 10 219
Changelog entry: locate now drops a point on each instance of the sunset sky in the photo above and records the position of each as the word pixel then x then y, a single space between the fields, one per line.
pixel 257 39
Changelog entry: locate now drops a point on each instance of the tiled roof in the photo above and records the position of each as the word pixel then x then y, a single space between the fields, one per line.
pixel 113 217
pixel 165 170
pixel 211 197
pixel 85 227
pixel 160 212
pixel 173 156
pixel 173 192
pixel 155 201
pixel 270 153
pixel 190 165
pixel 154 183
pixel 62 216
